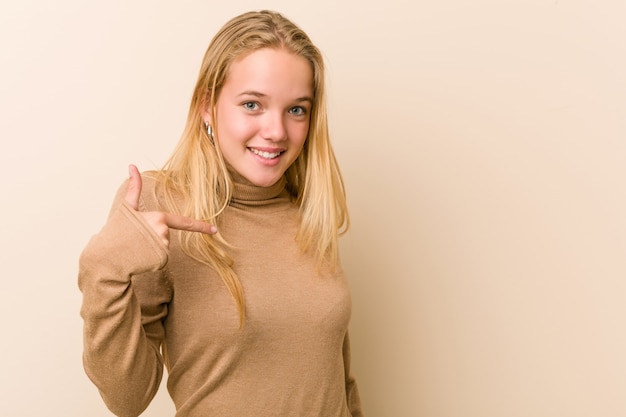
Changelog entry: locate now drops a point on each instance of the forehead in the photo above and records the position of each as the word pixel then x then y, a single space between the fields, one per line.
pixel 270 70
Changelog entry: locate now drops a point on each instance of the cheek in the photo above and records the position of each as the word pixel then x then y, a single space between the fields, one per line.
pixel 298 133
pixel 234 128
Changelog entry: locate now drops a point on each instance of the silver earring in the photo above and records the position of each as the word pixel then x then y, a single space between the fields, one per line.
pixel 209 131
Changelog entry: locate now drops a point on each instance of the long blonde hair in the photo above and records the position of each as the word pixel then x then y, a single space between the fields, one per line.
pixel 196 173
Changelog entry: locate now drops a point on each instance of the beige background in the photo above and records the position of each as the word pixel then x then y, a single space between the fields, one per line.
pixel 484 148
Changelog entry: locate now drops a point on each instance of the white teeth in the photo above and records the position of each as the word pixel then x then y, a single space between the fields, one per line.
pixel 266 155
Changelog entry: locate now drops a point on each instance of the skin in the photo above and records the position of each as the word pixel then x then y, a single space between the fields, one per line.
pixel 263 113
pixel 160 221
pixel 263 108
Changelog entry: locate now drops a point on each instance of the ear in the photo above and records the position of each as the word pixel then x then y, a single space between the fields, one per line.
pixel 206 115
pixel 205 111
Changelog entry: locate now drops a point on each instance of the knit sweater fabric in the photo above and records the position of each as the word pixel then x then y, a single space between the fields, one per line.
pixel 146 305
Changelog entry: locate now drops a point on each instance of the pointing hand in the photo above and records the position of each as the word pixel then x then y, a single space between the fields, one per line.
pixel 160 221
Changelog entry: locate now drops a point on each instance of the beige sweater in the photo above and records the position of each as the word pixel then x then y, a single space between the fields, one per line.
pixel 145 305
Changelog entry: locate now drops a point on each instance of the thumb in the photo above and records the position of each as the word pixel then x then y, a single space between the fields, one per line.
pixel 133 191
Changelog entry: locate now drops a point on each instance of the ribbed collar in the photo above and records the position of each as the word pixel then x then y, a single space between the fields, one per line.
pixel 248 194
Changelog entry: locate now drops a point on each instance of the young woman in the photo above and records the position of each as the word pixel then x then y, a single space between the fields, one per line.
pixel 223 266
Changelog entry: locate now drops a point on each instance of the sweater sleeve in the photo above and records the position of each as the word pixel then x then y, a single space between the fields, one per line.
pixel 352 392
pixel 125 296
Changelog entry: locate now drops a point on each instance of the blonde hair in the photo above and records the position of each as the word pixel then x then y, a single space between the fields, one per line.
pixel 197 175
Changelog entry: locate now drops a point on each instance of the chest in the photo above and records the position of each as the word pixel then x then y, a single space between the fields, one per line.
pixel 287 298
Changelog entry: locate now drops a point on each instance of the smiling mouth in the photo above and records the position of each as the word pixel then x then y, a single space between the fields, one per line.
pixel 265 154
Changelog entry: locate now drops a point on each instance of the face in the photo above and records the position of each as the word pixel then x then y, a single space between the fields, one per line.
pixel 263 113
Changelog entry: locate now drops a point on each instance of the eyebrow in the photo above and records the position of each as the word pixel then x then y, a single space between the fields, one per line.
pixel 260 95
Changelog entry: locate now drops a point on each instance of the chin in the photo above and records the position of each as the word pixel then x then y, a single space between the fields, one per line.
pixel 263 181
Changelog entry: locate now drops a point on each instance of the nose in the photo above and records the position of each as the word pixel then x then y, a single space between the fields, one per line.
pixel 273 127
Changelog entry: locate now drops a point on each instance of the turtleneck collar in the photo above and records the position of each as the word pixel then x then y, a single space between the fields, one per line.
pixel 246 193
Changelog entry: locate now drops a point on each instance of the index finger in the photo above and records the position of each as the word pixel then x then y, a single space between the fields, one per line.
pixel 175 221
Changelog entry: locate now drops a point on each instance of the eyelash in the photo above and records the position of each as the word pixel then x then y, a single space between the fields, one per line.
pixel 253 106
pixel 246 105
pixel 302 110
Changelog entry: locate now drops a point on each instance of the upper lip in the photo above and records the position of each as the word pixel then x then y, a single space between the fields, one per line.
pixel 267 149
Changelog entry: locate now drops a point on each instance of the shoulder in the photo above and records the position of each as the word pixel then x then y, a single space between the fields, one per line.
pixel 150 179
pixel 152 191
pixel 150 195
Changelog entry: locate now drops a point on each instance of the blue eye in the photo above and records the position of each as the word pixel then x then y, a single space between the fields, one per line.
pixel 251 105
pixel 297 111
